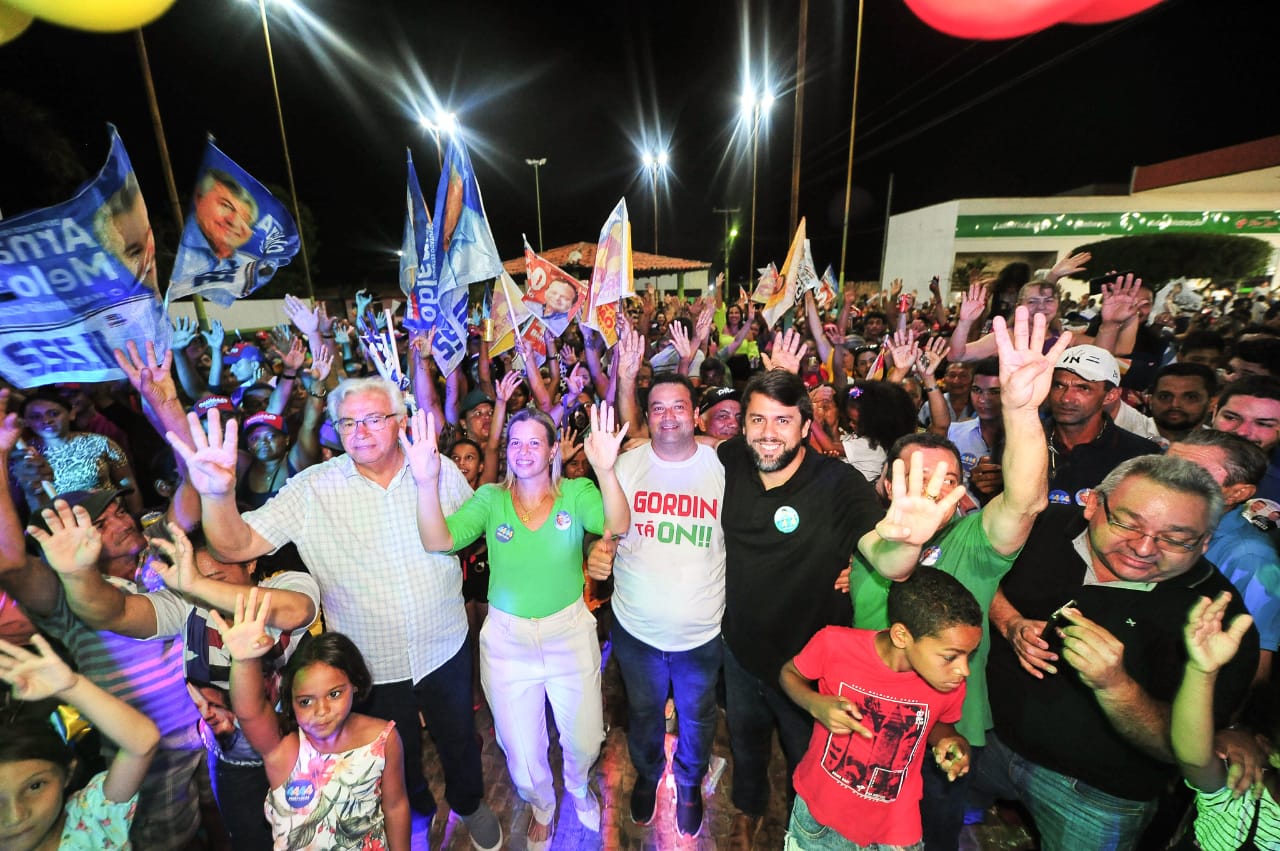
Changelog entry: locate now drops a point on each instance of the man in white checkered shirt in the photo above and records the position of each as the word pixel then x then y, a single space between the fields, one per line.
pixel 354 521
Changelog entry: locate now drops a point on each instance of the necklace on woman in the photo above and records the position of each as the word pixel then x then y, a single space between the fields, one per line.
pixel 525 513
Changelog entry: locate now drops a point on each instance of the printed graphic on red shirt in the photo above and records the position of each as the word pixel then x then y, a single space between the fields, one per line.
pixel 875 768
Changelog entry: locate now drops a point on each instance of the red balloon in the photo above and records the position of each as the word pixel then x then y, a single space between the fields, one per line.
pixel 994 19
pixel 997 19
pixel 1103 11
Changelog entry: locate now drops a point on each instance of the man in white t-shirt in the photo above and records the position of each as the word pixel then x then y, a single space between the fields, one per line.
pixel 668 598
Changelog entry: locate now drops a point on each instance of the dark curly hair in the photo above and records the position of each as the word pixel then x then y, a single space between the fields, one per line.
pixel 333 649
pixel 885 412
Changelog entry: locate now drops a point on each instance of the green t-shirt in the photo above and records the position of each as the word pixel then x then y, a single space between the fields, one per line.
pixel 962 550
pixel 532 572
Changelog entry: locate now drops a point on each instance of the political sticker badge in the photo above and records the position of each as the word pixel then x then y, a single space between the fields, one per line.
pixel 930 557
pixel 1082 495
pixel 563 520
pixel 786 519
pixel 299 793
pixel 504 532
pixel 1057 497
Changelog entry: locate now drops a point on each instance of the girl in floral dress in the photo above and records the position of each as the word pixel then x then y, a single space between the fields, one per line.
pixel 36 764
pixel 337 778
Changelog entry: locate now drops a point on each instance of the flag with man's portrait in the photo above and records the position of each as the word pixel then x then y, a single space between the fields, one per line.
pixel 237 234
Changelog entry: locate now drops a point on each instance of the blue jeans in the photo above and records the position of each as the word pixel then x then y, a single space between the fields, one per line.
pixel 1068 813
pixel 942 807
pixel 691 676
pixel 444 699
pixel 805 833
pixel 752 709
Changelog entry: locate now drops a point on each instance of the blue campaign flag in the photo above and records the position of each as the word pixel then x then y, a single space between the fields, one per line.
pixel 465 250
pixel 78 280
pixel 417 256
pixel 236 236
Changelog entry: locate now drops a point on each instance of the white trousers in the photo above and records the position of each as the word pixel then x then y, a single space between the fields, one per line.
pixel 523 663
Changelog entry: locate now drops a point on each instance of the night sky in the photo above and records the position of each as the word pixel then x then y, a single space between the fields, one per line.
pixel 587 85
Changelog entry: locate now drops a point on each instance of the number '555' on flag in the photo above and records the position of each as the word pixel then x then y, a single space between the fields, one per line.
pixel 78 280
pixel 236 236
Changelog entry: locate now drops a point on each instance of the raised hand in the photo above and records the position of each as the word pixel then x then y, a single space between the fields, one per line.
pixel 568 440
pixel 680 341
pixel 216 334
pixel 34 676
pixel 603 442
pixel 918 510
pixel 364 299
pixel 185 331
pixel 578 380
pixel 1121 299
pixel 1026 370
pixel 706 320
pixel 507 386
pixel 342 332
pixel 178 567
pixel 211 464
pixel 296 356
pixel 246 637
pixel 932 356
pixel 1069 266
pixel 305 319
pixel 1209 646
pixel 973 303
pixel 324 322
pixel 10 426
pixel 418 440
pixel 72 543
pixel 903 348
pixel 422 343
pixel 895 288
pixel 630 355
pixel 788 352
pixel 321 365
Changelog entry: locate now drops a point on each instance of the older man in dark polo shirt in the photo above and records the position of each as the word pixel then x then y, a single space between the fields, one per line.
pixel 1082 710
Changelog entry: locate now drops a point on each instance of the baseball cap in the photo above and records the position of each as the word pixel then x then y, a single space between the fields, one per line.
pixel 713 396
pixel 1092 363
pixel 265 418
pixel 93 501
pixel 471 400
pixel 209 403
pixel 241 351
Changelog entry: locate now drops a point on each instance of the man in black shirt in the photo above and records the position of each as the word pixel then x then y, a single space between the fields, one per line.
pixel 1082 708
pixel 791 521
pixel 1084 444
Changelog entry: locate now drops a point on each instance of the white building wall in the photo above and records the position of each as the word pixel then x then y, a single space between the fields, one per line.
pixel 921 244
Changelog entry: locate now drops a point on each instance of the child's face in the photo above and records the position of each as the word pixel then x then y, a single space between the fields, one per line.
pixel 943 659
pixel 322 700
pixel 30 802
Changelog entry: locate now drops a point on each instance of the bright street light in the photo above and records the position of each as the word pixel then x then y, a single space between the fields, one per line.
pixel 655 162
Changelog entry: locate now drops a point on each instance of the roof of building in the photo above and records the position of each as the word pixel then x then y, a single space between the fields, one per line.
pixel 1247 167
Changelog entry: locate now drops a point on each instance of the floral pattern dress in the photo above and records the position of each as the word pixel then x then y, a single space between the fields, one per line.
pixel 331 801
pixel 94 823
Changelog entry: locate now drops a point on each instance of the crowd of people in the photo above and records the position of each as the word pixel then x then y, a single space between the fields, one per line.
pixel 1016 547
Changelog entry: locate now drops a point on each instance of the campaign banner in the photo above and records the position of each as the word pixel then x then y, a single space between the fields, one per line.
pixel 417 252
pixel 78 280
pixel 612 278
pixel 465 252
pixel 827 289
pixel 236 236
pixel 508 313
pixel 783 297
pixel 551 293
pixel 767 284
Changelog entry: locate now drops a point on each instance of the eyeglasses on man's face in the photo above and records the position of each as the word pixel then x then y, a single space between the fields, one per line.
pixel 373 422
pixel 1165 543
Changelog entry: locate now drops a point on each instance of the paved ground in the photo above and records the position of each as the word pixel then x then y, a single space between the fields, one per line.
pixel 613 779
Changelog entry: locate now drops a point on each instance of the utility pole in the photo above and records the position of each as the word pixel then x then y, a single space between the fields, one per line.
pixel 537 191
pixel 728 244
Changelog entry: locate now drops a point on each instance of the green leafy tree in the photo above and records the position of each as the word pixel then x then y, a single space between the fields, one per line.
pixel 1164 256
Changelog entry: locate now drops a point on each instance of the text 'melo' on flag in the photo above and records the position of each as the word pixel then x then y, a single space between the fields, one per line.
pixel 78 280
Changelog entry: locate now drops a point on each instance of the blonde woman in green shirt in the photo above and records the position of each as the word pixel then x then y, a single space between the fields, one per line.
pixel 539 640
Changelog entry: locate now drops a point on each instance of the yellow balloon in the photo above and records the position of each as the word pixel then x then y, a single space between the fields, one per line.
pixel 96 15
pixel 13 23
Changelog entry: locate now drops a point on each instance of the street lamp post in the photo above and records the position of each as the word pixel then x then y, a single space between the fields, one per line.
pixel 537 192
pixel 754 108
pixel 654 163
pixel 730 234
pixel 284 142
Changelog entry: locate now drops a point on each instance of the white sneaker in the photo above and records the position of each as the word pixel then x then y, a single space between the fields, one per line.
pixel 588 809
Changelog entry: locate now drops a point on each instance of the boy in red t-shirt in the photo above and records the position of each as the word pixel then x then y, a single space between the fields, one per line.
pixel 880 696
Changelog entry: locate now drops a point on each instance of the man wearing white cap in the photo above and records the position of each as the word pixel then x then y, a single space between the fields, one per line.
pixel 1084 444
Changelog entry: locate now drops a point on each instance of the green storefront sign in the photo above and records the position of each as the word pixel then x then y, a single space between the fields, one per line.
pixel 1118 224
